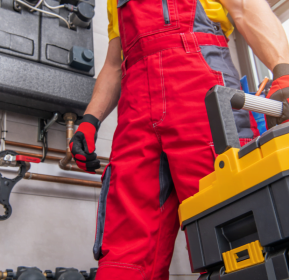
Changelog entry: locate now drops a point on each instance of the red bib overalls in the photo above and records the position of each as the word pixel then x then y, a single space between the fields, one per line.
pixel 162 145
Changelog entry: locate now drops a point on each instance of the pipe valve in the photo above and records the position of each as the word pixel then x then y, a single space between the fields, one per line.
pixel 12 159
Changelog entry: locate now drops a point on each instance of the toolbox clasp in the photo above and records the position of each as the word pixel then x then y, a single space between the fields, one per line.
pixel 243 257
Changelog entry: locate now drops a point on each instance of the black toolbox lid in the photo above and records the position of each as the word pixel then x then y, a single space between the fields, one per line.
pixel 249 147
pixel 274 132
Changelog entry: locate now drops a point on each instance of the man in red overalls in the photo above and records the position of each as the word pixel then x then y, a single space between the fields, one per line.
pixel 162 145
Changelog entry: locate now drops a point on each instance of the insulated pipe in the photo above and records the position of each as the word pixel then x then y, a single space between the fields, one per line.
pixel 249 102
pixel 62 180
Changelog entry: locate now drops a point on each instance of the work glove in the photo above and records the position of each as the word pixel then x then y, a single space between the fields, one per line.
pixel 82 144
pixel 280 92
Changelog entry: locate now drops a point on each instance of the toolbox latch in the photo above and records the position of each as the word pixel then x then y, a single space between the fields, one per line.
pixel 234 261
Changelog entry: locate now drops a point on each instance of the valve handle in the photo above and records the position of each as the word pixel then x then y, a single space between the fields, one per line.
pixel 27 159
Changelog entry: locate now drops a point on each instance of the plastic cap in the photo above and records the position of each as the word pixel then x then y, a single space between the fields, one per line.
pixel 85 12
pixel 87 55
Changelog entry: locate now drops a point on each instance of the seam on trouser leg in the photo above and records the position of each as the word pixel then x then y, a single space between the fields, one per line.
pixel 164 100
pixel 124 265
pixel 163 92
pixel 157 248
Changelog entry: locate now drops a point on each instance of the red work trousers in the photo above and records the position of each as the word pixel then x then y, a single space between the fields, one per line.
pixel 162 146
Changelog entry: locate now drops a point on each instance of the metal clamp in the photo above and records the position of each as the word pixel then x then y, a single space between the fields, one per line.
pixel 51 122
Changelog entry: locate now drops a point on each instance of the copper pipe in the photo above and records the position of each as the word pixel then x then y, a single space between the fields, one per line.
pixel 3 275
pixel 69 118
pixel 35 147
pixel 62 180
pixel 64 163
pixel 38 155
pixel 52 158
pixel 70 167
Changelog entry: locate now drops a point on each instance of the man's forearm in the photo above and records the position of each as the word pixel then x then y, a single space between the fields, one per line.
pixel 107 87
pixel 261 29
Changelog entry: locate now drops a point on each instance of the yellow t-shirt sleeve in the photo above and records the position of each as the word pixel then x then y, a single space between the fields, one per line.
pixel 214 10
pixel 113 30
pixel 217 13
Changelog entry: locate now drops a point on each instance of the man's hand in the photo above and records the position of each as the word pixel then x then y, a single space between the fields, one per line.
pixel 82 144
pixel 280 92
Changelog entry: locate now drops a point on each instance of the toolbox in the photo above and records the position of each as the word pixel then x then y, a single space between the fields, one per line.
pixel 237 226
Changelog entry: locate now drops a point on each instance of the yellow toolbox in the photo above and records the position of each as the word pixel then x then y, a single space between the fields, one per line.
pixel 237 226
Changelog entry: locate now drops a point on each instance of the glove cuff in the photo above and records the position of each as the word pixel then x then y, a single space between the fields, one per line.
pixel 280 70
pixel 91 119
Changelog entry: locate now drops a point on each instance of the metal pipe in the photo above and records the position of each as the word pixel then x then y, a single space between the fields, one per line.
pixel 38 155
pixel 51 122
pixel 69 118
pixel 62 180
pixel 35 147
pixel 55 159
pixel 70 167
pixel 3 131
pixel 3 275
pixel 64 163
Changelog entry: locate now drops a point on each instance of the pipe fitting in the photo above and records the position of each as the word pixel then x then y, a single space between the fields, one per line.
pixel 70 119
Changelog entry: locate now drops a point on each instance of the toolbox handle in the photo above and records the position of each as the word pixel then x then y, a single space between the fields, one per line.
pixel 219 102
pixel 249 102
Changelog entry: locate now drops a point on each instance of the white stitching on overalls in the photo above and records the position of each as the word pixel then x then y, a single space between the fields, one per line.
pixel 185 42
pixel 193 13
pixel 121 265
pixel 163 92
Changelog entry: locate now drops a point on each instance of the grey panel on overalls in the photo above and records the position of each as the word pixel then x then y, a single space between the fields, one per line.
pixel 166 187
pixel 166 181
pixel 121 3
pixel 219 59
pixel 101 213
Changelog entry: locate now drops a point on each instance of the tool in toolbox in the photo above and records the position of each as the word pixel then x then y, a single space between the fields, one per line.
pixel 237 226
pixel 12 159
